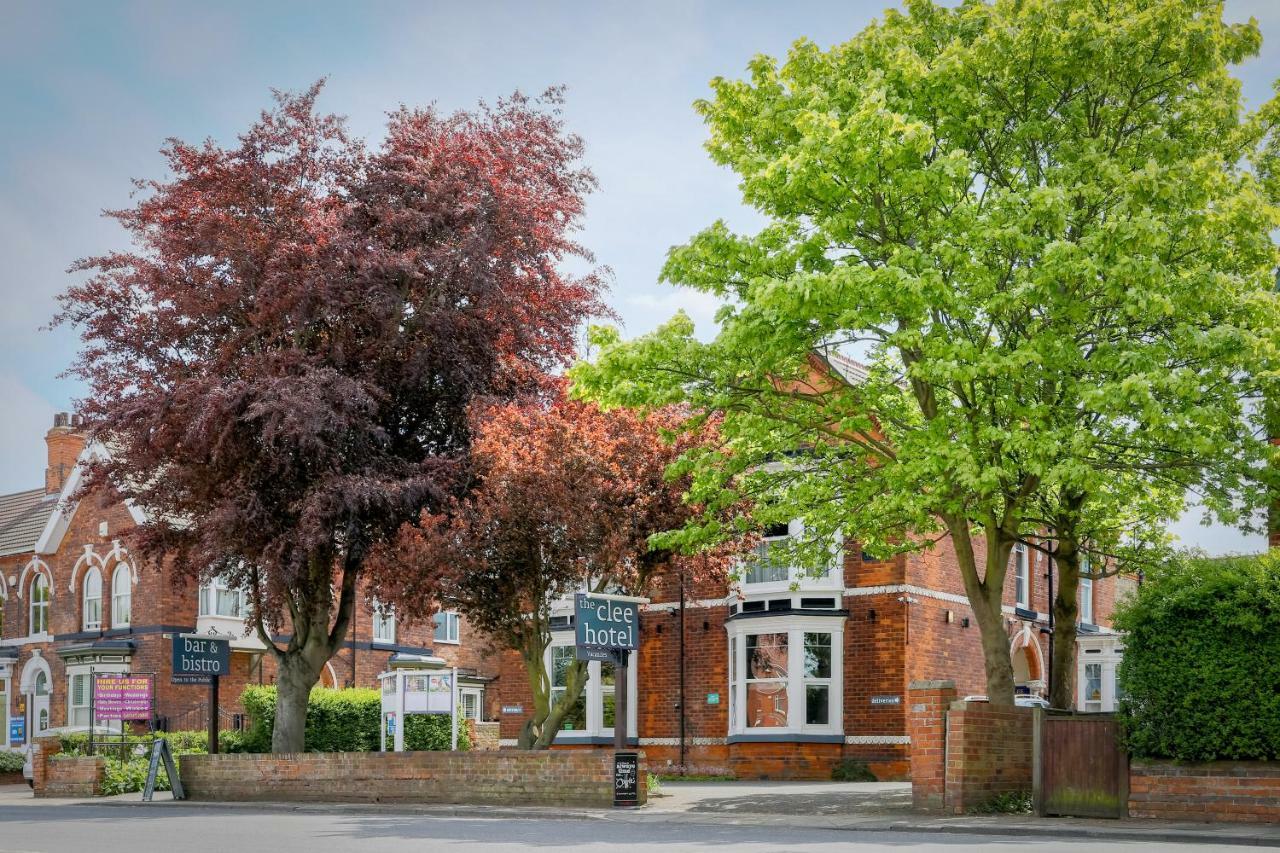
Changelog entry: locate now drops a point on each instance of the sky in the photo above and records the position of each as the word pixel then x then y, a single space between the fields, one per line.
pixel 89 92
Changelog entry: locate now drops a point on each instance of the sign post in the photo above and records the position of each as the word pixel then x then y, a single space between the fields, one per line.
pixel 607 628
pixel 201 659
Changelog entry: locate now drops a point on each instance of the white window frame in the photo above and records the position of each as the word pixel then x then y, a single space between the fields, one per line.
pixel 91 604
pixel 795 627
pixel 1021 576
pixel 1084 597
pixel 797 578
pixel 465 693
pixel 384 624
pixel 211 597
pixel 39 603
pixel 121 602
pixel 593 694
pixel 452 625
pixel 87 671
pixel 41 708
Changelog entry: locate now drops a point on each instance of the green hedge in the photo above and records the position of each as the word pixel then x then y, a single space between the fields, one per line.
pixel 180 742
pixel 344 721
pixel 1201 668
pixel 11 762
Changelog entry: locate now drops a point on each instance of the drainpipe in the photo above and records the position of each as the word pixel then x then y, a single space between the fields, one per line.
pixel 682 716
pixel 1050 561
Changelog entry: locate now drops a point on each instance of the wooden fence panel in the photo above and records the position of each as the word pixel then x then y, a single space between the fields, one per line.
pixel 1081 769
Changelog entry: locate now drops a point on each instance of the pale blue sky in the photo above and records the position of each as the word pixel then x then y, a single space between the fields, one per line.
pixel 89 91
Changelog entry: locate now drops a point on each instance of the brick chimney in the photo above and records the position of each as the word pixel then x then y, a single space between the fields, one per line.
pixel 66 441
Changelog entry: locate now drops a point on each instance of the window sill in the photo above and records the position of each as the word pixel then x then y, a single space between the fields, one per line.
pixel 585 738
pixel 447 642
pixel 785 737
pixel 387 643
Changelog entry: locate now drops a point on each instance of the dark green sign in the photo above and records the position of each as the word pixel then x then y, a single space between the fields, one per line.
pixel 604 623
pixel 196 658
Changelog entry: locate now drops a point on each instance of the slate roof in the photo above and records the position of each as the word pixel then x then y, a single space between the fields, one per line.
pixel 23 516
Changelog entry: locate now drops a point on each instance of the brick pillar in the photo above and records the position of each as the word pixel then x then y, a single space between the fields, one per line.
pixel 927 726
pixel 41 751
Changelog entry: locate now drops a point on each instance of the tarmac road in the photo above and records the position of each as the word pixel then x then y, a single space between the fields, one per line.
pixel 108 829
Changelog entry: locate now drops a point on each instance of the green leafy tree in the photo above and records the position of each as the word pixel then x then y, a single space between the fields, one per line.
pixel 1039 222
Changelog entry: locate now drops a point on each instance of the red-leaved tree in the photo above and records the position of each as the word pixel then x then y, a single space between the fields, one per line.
pixel 568 500
pixel 282 362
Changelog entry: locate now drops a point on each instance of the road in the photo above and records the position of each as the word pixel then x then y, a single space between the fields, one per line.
pixel 114 829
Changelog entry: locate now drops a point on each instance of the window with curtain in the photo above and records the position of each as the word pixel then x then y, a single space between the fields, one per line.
pixel 92 613
pixel 447 627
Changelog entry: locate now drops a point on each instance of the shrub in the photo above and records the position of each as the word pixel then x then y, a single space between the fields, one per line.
pixel 1201 668
pixel 10 762
pixel 849 770
pixel 344 721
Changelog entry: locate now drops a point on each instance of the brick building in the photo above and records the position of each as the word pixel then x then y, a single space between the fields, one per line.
pixel 785 674
pixel 76 602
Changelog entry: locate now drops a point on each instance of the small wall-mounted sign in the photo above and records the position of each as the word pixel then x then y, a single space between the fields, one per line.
pixel 513 709
pixel 17 731
pixel 713 698
pixel 886 700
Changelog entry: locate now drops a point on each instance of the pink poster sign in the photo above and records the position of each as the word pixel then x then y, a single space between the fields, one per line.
pixel 122 697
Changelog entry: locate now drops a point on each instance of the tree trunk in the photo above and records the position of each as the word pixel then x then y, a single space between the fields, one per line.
pixel 293 689
pixel 1065 613
pixel 540 730
pixel 986 595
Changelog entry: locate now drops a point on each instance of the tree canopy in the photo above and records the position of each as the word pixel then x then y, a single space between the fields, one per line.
pixel 283 360
pixel 567 501
pixel 1044 225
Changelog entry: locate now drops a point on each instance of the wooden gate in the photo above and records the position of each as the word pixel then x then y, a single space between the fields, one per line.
pixel 1080 768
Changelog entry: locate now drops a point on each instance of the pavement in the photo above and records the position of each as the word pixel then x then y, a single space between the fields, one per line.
pixel 862 808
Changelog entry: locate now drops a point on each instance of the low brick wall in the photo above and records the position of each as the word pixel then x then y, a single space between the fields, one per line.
pixel 57 776
pixel 502 777
pixel 989 752
pixel 1245 791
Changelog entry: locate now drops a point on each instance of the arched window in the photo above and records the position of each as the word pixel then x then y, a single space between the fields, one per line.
pixel 41 686
pixel 121 597
pixel 39 622
pixel 93 600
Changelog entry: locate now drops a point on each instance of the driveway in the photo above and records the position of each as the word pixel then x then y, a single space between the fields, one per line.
pixel 785 798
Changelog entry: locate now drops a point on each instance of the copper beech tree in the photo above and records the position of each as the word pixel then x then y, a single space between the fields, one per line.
pixel 282 361
pixel 569 499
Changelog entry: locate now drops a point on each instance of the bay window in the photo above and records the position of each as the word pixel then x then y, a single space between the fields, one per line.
pixel 594 714
pixel 785 675
pixel 219 599
pixel 771 565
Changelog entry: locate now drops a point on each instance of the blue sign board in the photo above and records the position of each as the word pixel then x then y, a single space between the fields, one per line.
pixel 17 731
pixel 196 658
pixel 604 623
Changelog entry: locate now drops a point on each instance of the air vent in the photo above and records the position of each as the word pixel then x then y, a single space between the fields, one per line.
pixel 818 603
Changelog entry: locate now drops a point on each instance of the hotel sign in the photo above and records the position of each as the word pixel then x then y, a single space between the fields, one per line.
pixel 604 624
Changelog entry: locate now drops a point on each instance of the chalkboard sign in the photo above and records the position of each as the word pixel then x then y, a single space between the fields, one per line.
pixel 626 779
pixel 160 751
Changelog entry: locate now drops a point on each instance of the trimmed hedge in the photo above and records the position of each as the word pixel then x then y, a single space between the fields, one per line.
pixel 345 721
pixel 11 762
pixel 180 742
pixel 1201 668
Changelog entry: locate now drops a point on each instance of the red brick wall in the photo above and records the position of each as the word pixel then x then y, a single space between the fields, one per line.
pixel 53 775
pixel 503 777
pixel 1243 791
pixel 989 752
